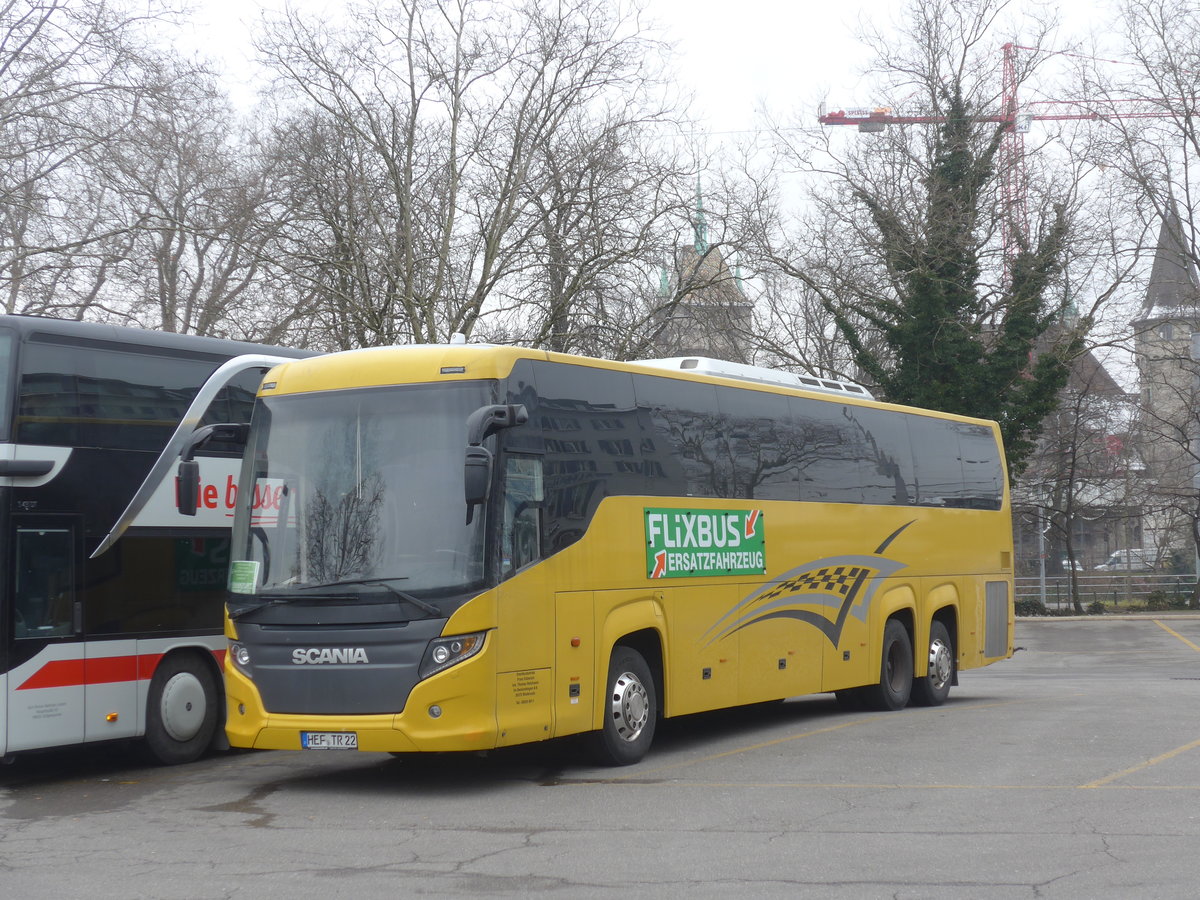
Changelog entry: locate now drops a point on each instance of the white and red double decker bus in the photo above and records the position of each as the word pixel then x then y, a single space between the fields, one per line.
pixel 110 622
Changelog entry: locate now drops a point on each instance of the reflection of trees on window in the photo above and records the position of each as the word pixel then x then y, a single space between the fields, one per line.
pixel 888 479
pixel 756 458
pixel 793 459
pixel 341 532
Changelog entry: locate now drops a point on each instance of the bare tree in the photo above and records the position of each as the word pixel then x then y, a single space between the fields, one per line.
pixel 1080 494
pixel 451 162
pixel 71 78
pixel 201 195
pixel 1150 107
pixel 601 219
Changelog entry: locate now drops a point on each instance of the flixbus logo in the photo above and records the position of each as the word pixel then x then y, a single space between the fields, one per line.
pixel 689 543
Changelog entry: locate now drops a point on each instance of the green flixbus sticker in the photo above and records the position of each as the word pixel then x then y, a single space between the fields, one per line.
pixel 692 543
pixel 243 576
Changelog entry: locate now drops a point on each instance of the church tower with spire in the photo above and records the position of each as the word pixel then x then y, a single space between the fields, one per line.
pixel 706 312
pixel 1170 419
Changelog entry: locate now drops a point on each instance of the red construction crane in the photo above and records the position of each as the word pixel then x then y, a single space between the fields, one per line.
pixel 1016 121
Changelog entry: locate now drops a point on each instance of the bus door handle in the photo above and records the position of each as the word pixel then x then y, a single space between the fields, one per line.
pixel 25 468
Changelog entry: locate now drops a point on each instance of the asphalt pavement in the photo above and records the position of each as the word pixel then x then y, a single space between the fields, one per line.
pixel 1070 771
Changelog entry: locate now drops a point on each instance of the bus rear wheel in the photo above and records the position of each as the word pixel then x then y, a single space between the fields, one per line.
pixel 895 670
pixel 181 711
pixel 934 688
pixel 630 711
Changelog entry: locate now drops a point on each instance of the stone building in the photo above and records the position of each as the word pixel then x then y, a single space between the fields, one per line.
pixel 1168 423
pixel 706 312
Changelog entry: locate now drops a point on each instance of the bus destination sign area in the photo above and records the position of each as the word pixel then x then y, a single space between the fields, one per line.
pixel 695 543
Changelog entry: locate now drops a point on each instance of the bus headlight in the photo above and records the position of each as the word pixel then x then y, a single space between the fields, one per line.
pixel 444 652
pixel 240 654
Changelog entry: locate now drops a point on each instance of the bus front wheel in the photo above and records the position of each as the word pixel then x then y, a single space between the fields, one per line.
pixel 181 711
pixel 630 711
pixel 895 670
pixel 934 688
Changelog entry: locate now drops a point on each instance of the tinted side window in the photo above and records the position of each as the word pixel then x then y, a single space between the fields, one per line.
pixel 584 463
pixel 759 450
pixel 836 455
pixel 688 431
pixel 189 575
pixel 888 478
pixel 935 455
pixel 983 472
pixel 957 464
pixel 8 345
pixel 90 397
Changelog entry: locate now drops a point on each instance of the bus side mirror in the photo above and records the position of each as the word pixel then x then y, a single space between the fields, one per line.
pixel 188 483
pixel 477 478
pixel 477 473
pixel 187 486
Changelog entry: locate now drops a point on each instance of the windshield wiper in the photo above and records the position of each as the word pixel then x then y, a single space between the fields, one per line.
pixel 422 605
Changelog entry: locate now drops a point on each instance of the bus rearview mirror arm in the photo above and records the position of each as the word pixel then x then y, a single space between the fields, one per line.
pixel 189 469
pixel 224 374
pixel 477 470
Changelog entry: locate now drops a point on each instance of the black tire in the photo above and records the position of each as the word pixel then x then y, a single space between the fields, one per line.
pixel 895 670
pixel 934 688
pixel 630 711
pixel 181 710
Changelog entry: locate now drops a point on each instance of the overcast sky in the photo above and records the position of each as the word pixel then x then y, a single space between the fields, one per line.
pixel 732 56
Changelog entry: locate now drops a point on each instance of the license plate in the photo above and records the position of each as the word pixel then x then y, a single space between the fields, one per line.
pixel 329 740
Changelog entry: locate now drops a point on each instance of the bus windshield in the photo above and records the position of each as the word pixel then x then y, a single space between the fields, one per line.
pixel 360 490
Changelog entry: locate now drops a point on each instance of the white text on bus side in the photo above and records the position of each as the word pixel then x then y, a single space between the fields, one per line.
pixel 691 530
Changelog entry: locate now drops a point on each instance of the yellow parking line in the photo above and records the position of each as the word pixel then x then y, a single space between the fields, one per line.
pixel 1140 766
pixel 1174 633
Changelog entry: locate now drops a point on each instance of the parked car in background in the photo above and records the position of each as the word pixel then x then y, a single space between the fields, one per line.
pixel 1133 559
pixel 1068 564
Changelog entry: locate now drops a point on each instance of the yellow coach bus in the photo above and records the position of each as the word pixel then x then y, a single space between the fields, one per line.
pixel 463 547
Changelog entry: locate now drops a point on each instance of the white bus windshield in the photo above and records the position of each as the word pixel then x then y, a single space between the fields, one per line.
pixel 359 488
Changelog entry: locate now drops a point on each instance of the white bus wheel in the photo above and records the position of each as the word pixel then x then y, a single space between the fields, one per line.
pixel 630 710
pixel 934 688
pixel 181 711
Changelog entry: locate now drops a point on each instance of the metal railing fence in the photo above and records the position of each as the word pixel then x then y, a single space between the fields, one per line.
pixel 1112 589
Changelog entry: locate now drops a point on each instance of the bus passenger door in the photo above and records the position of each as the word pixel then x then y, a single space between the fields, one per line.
pixel 524 609
pixel 46 675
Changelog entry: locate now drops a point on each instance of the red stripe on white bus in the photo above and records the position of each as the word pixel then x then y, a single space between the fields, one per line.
pixel 100 670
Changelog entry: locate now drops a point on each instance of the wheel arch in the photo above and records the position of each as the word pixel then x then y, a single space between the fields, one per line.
pixel 649 643
pixel 900 603
pixel 906 617
pixel 210 660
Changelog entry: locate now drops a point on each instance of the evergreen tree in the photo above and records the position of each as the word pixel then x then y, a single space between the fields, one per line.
pixel 938 339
